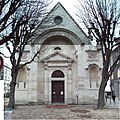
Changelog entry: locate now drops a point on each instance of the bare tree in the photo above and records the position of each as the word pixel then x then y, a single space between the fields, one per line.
pixel 7 9
pixel 101 17
pixel 24 22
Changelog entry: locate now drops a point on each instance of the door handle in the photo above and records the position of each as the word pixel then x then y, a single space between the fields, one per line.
pixel 61 93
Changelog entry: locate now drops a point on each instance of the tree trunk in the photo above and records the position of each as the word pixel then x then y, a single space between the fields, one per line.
pixel 101 100
pixel 11 103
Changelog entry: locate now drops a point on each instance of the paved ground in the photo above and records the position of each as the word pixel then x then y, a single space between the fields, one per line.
pixel 61 112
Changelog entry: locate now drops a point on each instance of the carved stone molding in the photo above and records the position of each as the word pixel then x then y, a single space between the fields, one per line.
pixel 46 65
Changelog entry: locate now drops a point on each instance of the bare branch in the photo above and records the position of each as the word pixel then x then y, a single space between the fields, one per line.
pixel 102 17
pixel 112 68
pixel 4 55
pixel 35 55
pixel 24 21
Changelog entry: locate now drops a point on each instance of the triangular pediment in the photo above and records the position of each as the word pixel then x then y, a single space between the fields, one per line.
pixel 67 23
pixel 57 57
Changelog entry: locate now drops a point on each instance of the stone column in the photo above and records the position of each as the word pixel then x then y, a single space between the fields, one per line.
pixel 69 84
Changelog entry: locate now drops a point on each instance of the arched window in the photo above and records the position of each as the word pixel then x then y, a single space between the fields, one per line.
pixel 21 78
pixel 57 74
pixel 22 75
pixel 57 48
pixel 93 76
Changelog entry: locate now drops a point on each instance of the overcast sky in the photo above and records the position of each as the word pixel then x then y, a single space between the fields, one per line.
pixel 68 4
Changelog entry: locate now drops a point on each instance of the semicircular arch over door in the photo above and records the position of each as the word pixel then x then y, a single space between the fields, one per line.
pixel 57 74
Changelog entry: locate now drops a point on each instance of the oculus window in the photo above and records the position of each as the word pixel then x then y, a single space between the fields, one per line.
pixel 58 20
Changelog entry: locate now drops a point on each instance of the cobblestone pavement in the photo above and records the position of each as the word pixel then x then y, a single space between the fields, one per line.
pixel 61 112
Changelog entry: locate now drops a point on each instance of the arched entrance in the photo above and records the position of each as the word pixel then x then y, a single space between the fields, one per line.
pixel 57 77
pixel 58 87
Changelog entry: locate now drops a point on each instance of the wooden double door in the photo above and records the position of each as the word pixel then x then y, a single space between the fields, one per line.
pixel 58 92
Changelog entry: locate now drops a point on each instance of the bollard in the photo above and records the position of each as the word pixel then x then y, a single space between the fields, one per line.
pixel 77 98
pixel 8 114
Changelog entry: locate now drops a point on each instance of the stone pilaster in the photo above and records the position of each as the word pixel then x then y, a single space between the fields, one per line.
pixel 69 84
pixel 46 83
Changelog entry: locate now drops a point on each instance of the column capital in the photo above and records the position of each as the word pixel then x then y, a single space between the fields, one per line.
pixel 46 65
pixel 69 66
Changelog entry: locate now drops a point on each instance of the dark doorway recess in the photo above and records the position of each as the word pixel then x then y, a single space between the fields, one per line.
pixel 57 91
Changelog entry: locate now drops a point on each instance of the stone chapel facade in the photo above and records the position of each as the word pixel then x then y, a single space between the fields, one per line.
pixel 67 66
